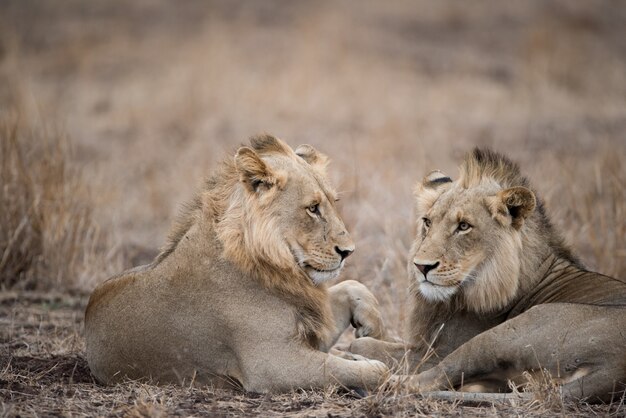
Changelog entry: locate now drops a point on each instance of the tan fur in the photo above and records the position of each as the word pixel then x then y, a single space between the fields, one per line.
pixel 511 297
pixel 237 295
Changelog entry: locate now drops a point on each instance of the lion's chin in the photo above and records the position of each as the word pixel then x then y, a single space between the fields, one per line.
pixel 321 276
pixel 437 293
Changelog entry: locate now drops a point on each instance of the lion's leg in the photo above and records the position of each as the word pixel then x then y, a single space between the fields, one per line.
pixel 286 367
pixel 352 303
pixel 577 344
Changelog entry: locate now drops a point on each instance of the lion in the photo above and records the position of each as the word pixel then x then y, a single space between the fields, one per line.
pixel 497 295
pixel 238 295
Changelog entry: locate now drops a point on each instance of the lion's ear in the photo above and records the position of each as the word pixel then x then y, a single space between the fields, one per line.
pixel 312 156
pixel 512 206
pixel 434 179
pixel 253 171
pixel 429 189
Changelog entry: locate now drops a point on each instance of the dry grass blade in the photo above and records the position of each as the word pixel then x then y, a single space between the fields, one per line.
pixel 513 399
pixel 48 237
pixel 547 392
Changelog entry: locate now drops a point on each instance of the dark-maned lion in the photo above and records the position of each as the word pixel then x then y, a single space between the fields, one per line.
pixel 497 293
pixel 238 294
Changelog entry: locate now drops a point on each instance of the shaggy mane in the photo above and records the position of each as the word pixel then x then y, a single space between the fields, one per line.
pixel 218 186
pixel 481 164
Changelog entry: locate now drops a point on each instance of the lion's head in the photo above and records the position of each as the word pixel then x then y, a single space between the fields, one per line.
pixel 282 213
pixel 470 232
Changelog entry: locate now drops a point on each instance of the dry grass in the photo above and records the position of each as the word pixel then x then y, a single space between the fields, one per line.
pixel 151 97
pixel 48 238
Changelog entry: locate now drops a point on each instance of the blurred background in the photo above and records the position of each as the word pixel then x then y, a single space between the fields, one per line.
pixel 112 112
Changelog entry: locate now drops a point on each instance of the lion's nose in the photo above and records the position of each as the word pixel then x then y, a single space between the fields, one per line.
pixel 425 268
pixel 344 252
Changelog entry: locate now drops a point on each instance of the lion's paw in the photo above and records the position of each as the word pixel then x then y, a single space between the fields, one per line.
pixel 366 318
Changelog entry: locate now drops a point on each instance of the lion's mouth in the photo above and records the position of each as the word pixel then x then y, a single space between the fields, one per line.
pixel 308 266
pixel 318 275
pixel 426 281
pixel 422 279
pixel 437 292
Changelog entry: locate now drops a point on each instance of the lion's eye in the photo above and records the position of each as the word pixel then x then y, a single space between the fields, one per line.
pixel 314 209
pixel 464 226
pixel 427 222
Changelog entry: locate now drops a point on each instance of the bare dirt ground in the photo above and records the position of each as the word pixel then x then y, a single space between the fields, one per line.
pixel 140 100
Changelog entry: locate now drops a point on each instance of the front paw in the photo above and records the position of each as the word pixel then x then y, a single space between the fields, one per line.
pixel 367 321
pixel 365 314
pixel 363 347
pixel 365 330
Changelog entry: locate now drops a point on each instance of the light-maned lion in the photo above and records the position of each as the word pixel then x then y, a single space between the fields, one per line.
pixel 238 296
pixel 497 293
